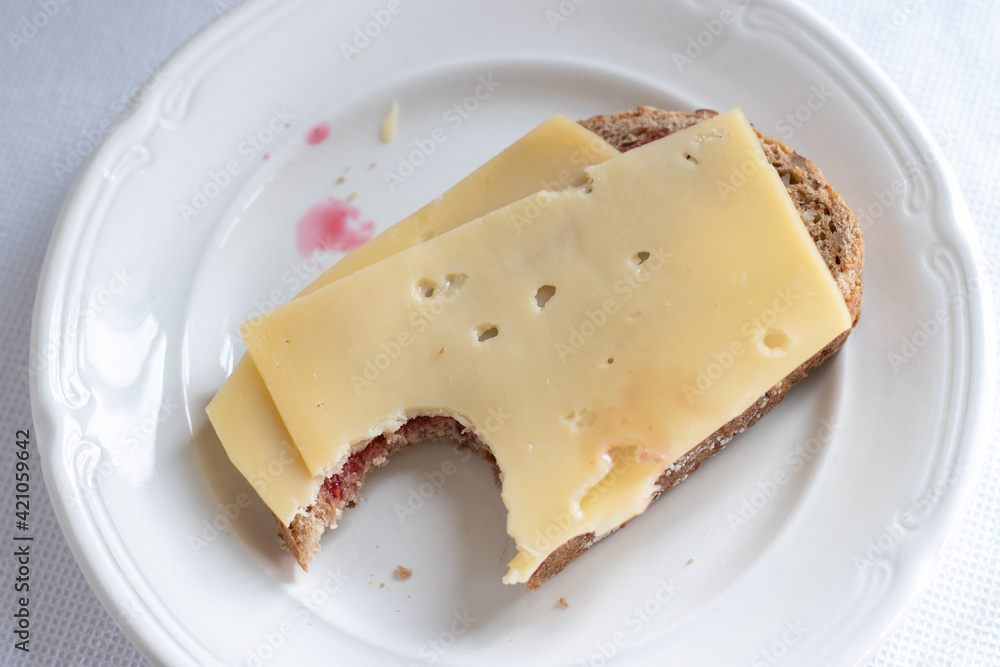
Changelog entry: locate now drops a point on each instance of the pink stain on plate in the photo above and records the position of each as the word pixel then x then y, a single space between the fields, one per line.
pixel 318 133
pixel 329 226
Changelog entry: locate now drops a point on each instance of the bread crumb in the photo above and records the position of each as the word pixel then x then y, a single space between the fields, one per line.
pixel 381 585
pixel 390 124
pixel 342 179
pixel 403 572
pixel 563 603
pixel 441 351
pixel 352 196
pixel 690 560
pixel 373 165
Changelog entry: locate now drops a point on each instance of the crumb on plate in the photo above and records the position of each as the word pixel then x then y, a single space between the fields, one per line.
pixel 390 124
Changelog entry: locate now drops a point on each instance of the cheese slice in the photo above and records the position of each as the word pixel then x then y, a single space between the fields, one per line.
pixel 681 284
pixel 551 156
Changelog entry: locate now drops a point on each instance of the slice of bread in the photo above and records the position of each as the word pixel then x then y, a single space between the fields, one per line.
pixel 832 226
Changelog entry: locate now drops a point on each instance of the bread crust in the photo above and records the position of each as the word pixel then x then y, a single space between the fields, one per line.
pixel 831 224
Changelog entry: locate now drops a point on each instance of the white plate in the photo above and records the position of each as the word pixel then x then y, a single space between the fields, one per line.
pixel 848 490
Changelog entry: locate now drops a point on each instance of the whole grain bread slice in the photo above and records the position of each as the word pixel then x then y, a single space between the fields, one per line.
pixel 833 228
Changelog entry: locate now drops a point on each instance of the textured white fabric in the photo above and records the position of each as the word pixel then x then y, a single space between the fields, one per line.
pixel 70 78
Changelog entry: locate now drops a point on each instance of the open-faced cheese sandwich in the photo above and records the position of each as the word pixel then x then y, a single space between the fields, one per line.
pixel 595 311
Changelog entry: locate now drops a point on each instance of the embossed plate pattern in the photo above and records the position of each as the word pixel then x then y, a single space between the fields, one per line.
pixel 803 541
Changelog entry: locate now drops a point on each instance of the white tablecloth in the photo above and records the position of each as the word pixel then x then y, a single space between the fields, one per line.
pixel 70 77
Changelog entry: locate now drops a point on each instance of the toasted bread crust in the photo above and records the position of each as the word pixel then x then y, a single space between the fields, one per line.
pixel 832 226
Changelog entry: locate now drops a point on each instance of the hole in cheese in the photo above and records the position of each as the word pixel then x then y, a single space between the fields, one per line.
pixel 776 340
pixel 485 332
pixel 454 282
pixel 692 159
pixel 640 257
pixel 542 296
pixel 425 288
pixel 581 419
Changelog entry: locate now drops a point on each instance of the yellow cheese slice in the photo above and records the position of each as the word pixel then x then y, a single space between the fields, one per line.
pixel 681 284
pixel 551 156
